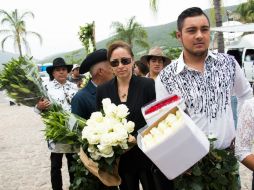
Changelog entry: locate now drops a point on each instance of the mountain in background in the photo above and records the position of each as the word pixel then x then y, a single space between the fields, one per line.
pixel 157 36
pixel 5 57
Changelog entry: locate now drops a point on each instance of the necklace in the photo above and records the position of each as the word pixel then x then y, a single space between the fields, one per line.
pixel 123 95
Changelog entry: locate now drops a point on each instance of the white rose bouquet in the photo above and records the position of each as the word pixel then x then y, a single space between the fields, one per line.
pixel 163 130
pixel 104 138
pixel 171 137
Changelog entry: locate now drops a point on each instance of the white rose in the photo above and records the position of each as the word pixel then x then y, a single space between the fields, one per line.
pixel 156 133
pixel 121 134
pixel 106 151
pixel 124 145
pixel 122 111
pixel 108 139
pixel 178 114
pixel 97 117
pixel 91 134
pixel 129 126
pixel 148 141
pixel 177 124
pixel 170 119
pixel 91 148
pixel 94 139
pixel 162 127
pixel 95 155
pixel 110 110
pixel 106 102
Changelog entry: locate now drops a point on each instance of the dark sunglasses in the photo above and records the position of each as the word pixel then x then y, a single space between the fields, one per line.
pixel 124 61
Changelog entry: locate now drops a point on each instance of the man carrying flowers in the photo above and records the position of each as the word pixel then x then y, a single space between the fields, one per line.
pixel 206 81
pixel 59 91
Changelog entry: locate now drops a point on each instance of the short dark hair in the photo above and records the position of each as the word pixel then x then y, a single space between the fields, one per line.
pixel 190 12
pixel 142 67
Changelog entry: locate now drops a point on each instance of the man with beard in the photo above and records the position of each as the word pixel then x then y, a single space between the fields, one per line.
pixel 205 80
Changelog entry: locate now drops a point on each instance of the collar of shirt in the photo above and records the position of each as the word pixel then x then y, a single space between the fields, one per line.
pixel 94 83
pixel 181 64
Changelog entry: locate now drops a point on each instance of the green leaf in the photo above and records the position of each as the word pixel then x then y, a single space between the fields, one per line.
pixel 196 171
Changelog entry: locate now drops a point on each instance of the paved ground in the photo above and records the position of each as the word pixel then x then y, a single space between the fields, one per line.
pixel 24 157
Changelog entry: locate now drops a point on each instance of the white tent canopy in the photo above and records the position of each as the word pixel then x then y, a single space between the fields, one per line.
pixel 246 41
pixel 235 28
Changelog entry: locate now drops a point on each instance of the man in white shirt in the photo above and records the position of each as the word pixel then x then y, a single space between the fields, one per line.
pixel 60 90
pixel 205 80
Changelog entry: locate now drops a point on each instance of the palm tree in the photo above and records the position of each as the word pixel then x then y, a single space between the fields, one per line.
pixel 132 33
pixel 17 29
pixel 218 20
pixel 246 11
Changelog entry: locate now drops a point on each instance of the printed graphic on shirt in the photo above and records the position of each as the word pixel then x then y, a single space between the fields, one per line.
pixel 207 92
pixel 62 94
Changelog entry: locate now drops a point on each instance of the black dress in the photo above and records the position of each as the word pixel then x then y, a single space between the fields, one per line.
pixel 134 164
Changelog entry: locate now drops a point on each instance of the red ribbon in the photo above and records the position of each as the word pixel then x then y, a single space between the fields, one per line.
pixel 162 104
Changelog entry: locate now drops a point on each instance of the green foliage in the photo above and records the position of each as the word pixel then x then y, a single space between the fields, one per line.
pixel 173 53
pixel 20 78
pixel 73 58
pixel 132 33
pixel 246 11
pixel 61 129
pixel 218 170
pixel 83 179
pixel 87 37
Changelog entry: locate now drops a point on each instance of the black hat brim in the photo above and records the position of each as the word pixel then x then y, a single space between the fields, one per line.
pixel 50 69
pixel 92 59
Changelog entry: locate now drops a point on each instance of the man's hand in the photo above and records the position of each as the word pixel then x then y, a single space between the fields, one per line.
pixel 43 104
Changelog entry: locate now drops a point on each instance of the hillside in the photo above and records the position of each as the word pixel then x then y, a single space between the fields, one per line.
pixel 5 57
pixel 157 36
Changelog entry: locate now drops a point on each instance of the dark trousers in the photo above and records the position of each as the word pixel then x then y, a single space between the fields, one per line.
pixel 161 182
pixel 253 181
pixel 130 180
pixel 56 165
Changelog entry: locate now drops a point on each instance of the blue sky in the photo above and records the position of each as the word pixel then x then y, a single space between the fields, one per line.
pixel 58 21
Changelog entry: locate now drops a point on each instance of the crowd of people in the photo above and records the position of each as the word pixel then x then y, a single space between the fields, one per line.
pixel 204 79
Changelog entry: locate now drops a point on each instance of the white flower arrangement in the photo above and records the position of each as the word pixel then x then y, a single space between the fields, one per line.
pixel 106 136
pixel 85 80
pixel 163 130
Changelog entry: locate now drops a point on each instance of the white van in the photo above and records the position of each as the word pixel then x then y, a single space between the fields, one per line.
pixel 243 50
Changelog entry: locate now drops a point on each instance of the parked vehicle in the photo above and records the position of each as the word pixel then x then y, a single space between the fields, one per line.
pixel 243 50
pixel 242 47
pixel 43 73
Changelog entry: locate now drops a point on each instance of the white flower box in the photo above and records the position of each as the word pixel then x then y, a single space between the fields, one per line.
pixel 179 150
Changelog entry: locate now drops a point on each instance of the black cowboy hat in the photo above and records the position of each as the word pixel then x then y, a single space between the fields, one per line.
pixel 58 62
pixel 92 59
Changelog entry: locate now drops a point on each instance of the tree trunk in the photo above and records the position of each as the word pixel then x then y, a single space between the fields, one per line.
pixel 19 44
pixel 218 19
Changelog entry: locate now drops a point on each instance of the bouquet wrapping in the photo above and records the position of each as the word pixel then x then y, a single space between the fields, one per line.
pixel 173 142
pixel 20 79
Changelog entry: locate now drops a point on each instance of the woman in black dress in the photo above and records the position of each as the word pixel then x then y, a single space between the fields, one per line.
pixel 134 92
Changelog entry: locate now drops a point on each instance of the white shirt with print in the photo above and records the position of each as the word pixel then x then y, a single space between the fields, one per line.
pixel 207 95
